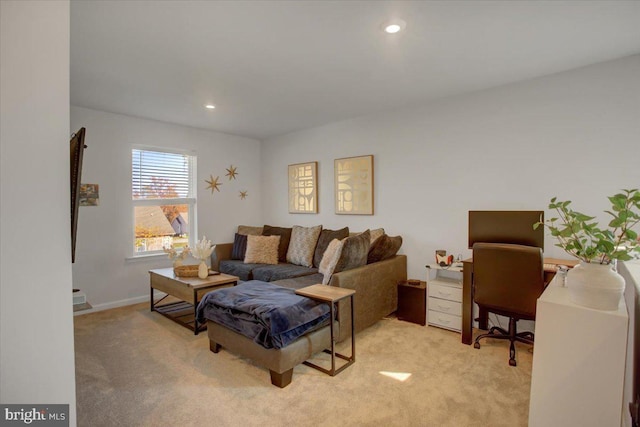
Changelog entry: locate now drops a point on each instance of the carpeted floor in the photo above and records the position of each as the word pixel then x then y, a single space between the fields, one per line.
pixel 137 368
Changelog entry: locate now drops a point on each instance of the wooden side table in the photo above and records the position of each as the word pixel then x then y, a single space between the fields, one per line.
pixel 331 295
pixel 412 302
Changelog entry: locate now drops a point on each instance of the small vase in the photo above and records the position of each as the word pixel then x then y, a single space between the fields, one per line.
pixel 595 286
pixel 203 270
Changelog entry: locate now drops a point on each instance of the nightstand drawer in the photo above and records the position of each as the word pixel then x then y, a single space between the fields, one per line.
pixel 444 320
pixel 445 306
pixel 445 292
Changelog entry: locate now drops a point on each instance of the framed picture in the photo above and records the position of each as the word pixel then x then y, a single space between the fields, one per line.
pixel 303 188
pixel 353 181
pixel 89 195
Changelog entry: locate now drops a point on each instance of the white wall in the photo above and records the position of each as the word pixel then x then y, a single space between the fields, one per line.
pixel 573 135
pixel 36 321
pixel 105 231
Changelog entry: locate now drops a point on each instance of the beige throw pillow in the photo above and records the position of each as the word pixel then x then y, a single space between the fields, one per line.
pixel 303 245
pixel 330 259
pixel 375 233
pixel 262 250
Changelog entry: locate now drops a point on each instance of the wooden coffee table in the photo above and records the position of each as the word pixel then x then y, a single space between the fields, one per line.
pixel 189 290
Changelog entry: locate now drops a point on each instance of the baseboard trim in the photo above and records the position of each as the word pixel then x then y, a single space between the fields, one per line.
pixel 120 303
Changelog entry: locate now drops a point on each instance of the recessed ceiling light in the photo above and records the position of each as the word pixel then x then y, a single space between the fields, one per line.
pixel 394 26
pixel 210 106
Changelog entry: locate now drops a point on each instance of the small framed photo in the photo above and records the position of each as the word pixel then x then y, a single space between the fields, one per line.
pixel 89 195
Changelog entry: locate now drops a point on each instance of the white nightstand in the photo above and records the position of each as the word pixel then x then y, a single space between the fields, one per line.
pixel 444 296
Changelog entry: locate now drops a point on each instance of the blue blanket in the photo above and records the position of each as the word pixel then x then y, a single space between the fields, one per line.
pixel 271 315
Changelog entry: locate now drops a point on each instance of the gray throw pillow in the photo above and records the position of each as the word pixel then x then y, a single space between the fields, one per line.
pixel 383 248
pixel 326 236
pixel 239 248
pixel 354 252
pixel 285 237
pixel 303 243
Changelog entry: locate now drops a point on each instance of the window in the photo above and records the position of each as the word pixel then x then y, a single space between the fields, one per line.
pixel 163 192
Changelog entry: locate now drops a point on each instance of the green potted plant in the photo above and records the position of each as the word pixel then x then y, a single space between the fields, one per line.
pixel 593 283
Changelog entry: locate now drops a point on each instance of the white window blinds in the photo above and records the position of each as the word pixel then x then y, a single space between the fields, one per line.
pixel 161 175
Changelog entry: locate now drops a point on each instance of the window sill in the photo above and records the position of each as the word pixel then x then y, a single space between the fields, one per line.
pixel 146 257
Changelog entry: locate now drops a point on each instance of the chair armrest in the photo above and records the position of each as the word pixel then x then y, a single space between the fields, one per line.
pixel 221 252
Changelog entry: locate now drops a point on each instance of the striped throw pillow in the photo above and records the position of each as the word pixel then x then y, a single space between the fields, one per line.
pixel 303 245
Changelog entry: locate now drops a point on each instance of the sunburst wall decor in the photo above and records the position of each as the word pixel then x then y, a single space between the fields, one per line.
pixel 214 185
pixel 232 172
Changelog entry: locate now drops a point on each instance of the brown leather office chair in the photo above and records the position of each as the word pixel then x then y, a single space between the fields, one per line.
pixel 507 280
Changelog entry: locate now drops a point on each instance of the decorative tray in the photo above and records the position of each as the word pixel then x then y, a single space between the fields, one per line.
pixel 190 271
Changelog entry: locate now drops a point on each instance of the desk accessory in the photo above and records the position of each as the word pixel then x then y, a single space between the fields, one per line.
pixel 442 259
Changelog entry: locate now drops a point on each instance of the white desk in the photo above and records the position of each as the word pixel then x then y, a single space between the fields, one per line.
pixel 578 363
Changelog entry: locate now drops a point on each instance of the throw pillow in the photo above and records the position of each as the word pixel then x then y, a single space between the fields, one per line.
pixel 384 248
pixel 262 250
pixel 239 246
pixel 326 236
pixel 285 237
pixel 354 252
pixel 249 230
pixel 303 245
pixel 376 233
pixel 330 259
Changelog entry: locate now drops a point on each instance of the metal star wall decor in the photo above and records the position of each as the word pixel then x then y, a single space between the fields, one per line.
pixel 243 195
pixel 213 183
pixel 231 172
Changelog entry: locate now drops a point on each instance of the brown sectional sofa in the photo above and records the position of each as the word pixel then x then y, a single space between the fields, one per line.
pixel 375 285
pixel 376 297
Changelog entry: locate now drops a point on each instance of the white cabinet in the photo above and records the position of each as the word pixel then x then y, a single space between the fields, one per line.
pixel 444 297
pixel 578 363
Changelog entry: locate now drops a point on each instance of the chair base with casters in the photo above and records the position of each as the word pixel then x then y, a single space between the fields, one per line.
pixel 511 335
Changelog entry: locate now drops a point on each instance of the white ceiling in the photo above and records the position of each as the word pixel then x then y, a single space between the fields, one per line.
pixel 273 67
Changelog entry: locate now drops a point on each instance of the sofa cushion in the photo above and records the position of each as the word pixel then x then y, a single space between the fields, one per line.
pixel 285 237
pixel 384 248
pixel 239 248
pixel 354 252
pixel 303 245
pixel 326 236
pixel 330 259
pixel 238 268
pixel 262 250
pixel 248 230
pixel 269 273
